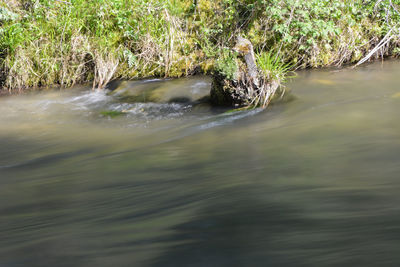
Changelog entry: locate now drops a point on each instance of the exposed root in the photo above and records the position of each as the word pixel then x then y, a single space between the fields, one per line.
pixel 244 92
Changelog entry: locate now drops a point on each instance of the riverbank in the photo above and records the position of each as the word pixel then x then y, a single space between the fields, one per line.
pixel 61 43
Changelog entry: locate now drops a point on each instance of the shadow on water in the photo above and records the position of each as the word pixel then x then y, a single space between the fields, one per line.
pixel 45 160
pixel 240 228
pixel 236 229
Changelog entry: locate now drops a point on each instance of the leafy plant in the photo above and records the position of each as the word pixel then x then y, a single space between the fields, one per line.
pixel 226 64
pixel 7 15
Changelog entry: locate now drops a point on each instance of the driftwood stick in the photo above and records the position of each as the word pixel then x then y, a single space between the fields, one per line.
pixel 388 37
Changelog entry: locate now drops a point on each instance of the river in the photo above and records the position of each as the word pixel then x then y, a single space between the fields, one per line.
pixel 310 182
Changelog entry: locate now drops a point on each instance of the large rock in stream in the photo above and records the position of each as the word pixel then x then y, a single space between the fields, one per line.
pixel 184 90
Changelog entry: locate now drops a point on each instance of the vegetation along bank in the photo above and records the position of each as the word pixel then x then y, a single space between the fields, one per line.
pixel 61 43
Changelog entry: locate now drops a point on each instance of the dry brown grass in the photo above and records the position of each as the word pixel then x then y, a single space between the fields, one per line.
pixel 19 71
pixel 13 4
pixel 106 65
pixel 78 62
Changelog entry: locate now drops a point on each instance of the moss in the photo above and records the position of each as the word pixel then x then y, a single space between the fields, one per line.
pixel 220 95
pixel 111 113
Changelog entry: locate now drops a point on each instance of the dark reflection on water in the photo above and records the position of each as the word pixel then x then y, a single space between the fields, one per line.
pixel 313 182
pixel 237 229
pixel 241 230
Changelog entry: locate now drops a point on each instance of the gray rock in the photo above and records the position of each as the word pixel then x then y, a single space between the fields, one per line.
pixel 183 90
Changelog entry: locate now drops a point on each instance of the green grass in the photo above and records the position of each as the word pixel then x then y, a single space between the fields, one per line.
pixel 273 66
pixel 45 42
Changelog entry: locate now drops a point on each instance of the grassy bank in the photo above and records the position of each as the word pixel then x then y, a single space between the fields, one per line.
pixel 53 42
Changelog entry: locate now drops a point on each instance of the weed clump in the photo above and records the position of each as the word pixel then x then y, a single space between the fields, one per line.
pixel 243 81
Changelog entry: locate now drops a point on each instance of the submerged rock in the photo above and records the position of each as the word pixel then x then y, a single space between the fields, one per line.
pixel 184 90
pixel 249 87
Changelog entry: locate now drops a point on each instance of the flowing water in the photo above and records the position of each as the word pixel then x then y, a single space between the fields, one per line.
pixel 311 182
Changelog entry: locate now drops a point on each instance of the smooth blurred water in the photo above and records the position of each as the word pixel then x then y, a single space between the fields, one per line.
pixel 312 182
